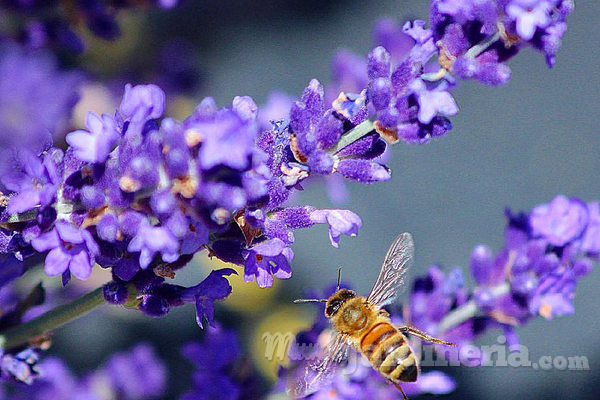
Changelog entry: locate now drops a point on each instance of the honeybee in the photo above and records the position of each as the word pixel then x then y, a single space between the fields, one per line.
pixel 361 323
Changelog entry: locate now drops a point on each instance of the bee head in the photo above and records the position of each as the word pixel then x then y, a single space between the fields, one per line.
pixel 336 300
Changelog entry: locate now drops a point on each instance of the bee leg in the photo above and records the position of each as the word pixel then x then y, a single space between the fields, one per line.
pixel 422 335
pixel 399 388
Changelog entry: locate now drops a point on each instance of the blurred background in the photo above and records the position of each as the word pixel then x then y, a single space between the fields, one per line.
pixel 515 146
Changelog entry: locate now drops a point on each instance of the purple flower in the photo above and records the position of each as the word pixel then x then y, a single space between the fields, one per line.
pixel 214 287
pixel 150 240
pixel 21 366
pixel 591 238
pixel 134 375
pixel 227 139
pixel 95 144
pixel 36 183
pixel 433 102
pixel 561 221
pixel 529 15
pixel 71 249
pixel 142 102
pixel 433 296
pixel 213 360
pixel 267 259
pixel 340 222
pixel 137 374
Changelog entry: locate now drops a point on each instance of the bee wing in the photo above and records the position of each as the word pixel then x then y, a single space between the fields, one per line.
pixel 397 262
pixel 318 372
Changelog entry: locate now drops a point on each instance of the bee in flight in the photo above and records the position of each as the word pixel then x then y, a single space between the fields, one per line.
pixel 361 323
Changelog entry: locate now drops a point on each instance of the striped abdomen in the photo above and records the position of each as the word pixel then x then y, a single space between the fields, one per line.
pixel 389 353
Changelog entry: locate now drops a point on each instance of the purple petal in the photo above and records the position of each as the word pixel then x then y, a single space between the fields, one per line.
pixel 80 265
pixel 46 241
pixel 57 262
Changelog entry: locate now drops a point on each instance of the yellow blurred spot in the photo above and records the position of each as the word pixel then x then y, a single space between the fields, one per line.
pixel 94 97
pixel 180 107
pixel 273 335
pixel 546 311
pixel 111 57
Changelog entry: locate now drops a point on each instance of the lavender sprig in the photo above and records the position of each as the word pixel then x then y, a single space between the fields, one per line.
pixel 140 193
pixel 546 252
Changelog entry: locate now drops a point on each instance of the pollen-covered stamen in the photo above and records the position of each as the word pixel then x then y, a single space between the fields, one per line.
pixel 298 155
pixel 390 135
pixel 508 38
pixel 185 186
pixel 220 215
pixel 193 137
pixel 445 59
pixel 293 173
pixel 129 185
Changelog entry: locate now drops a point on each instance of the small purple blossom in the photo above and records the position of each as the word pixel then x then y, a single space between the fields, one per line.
pixel 137 374
pixel 560 221
pixel 266 260
pixel 142 102
pixel 95 144
pixel 214 359
pixel 433 102
pixel 150 240
pixel 36 184
pixel 340 222
pixel 214 287
pixel 71 249
pixel 529 15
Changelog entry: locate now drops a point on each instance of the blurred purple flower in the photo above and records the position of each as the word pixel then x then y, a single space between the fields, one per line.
pixel 137 374
pixel 142 102
pixel 560 221
pixel 213 360
pixel 529 15
pixel 36 99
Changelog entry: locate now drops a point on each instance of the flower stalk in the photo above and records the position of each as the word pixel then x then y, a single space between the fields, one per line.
pixel 22 334
pixel 469 310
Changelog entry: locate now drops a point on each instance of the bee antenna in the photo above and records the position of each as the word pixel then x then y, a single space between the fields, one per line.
pixel 339 278
pixel 310 301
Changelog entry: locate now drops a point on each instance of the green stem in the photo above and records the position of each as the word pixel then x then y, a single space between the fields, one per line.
pixel 468 310
pixel 359 131
pixel 20 335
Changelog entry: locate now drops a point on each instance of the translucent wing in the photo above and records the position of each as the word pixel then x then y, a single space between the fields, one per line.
pixel 318 372
pixel 398 260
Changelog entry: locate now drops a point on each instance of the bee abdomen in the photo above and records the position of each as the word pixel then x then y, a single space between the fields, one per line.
pixel 402 365
pixel 371 341
pixel 389 352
